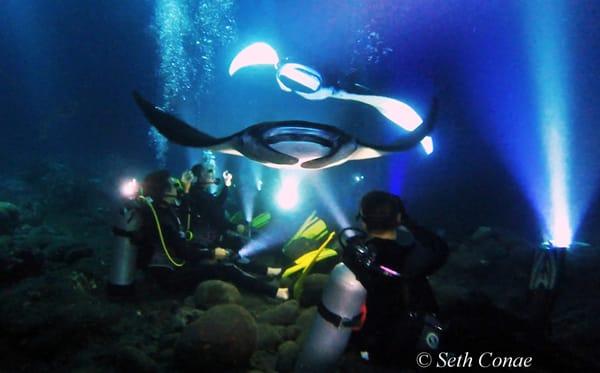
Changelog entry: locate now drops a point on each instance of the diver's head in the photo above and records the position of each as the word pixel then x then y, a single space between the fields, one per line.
pixel 205 174
pixel 380 212
pixel 160 186
pixel 174 192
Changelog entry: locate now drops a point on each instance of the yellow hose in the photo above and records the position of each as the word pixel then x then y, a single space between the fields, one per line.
pixel 160 234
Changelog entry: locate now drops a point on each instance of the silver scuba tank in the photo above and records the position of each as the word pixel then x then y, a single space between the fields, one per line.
pixel 339 311
pixel 123 267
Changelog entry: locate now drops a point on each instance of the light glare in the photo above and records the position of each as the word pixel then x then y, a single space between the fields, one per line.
pixel 288 196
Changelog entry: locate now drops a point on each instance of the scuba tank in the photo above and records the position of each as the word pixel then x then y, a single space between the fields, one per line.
pixel 338 312
pixel 123 267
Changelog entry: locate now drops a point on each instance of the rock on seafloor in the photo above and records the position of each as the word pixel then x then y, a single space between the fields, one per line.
pixel 224 337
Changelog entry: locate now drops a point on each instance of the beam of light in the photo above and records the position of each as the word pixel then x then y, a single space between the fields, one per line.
pixel 328 199
pixel 255 54
pixel 558 222
pixel 268 237
pixel 248 195
pixel 288 196
pixel 248 188
pixel 549 66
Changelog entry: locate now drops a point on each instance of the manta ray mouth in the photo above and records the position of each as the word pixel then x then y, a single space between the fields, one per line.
pixel 300 134
pixel 303 150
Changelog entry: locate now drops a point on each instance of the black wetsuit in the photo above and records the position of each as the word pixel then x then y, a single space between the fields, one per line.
pixel 204 213
pixel 207 214
pixel 396 305
pixel 198 265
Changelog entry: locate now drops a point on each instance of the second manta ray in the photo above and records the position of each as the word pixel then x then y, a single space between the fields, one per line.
pixel 284 144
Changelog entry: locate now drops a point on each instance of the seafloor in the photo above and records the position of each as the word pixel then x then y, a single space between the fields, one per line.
pixel 55 247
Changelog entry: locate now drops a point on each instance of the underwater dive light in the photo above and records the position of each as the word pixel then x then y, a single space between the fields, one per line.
pixel 130 189
pixel 357 178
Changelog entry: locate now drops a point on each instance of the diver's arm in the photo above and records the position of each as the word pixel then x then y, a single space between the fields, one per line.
pixel 193 254
pixel 222 197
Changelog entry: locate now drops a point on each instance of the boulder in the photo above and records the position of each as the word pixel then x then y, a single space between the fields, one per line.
pixel 214 292
pixel 184 316
pixel 283 314
pixel 287 353
pixel 131 359
pixel 269 336
pixel 9 218
pixel 19 265
pixel 224 337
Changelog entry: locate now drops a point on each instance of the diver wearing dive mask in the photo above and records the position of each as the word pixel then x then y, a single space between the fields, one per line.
pixel 392 258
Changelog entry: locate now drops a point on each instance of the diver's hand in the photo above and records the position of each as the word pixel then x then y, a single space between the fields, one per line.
pixel 227 177
pixel 241 228
pixel 186 179
pixel 221 253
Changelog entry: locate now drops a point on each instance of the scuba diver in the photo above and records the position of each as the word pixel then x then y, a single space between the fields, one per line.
pixel 206 221
pixel 166 255
pixel 206 210
pixel 380 292
pixel 400 300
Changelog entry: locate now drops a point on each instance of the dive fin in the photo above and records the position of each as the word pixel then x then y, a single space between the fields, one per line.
pixel 175 129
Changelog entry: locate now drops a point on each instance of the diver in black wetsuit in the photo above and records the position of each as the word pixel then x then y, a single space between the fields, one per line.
pixel 205 220
pixel 400 302
pixel 166 255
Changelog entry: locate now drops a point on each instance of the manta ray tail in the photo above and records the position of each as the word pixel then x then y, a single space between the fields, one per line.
pixel 174 129
pixel 409 140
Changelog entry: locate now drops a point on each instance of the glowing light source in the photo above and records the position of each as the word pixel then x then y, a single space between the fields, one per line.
pixel 130 189
pixel 357 178
pixel 549 69
pixel 255 54
pixel 427 144
pixel 288 196
pixel 558 223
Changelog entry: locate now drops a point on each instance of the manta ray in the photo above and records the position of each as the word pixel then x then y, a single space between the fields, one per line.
pixel 284 144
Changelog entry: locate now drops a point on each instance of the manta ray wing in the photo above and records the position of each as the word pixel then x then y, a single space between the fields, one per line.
pixel 175 129
pixel 366 150
pixel 241 143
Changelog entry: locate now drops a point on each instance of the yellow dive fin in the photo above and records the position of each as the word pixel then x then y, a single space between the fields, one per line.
pixel 261 220
pixel 313 229
pixel 305 260
pixel 299 285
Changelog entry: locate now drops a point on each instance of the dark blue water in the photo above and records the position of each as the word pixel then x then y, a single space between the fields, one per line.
pixel 67 70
